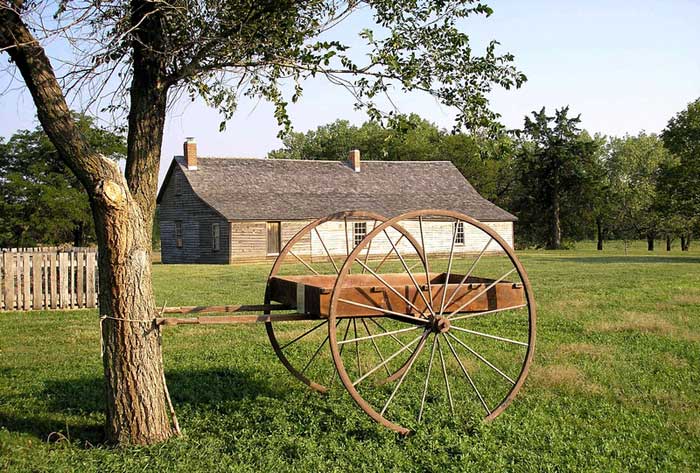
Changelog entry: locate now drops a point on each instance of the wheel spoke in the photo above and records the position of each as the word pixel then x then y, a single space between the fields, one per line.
pixel 393 337
pixel 425 257
pixel 424 337
pixel 318 350
pixel 449 268
pixel 410 274
pixel 347 241
pixel 469 273
pixel 502 339
pixel 345 337
pixel 357 347
pixel 390 287
pixel 469 378
pixel 376 347
pixel 486 312
pixel 385 311
pixel 323 244
pixel 389 253
pixel 302 335
pixel 384 334
pixel 487 362
pixel 313 357
pixel 383 363
pixel 369 246
pixel 427 379
pixel 304 263
pixel 447 382
pixel 481 293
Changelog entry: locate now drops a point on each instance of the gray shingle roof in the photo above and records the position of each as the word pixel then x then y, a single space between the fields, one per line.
pixel 278 189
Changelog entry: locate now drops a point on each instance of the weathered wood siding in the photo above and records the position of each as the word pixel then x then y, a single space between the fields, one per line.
pixel 180 203
pixel 249 239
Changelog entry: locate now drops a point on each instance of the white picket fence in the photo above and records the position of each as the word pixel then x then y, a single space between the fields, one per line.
pixel 48 278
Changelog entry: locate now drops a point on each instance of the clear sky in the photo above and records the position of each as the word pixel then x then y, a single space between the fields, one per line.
pixel 624 65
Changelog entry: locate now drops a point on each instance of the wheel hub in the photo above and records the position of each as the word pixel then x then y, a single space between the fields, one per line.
pixel 441 324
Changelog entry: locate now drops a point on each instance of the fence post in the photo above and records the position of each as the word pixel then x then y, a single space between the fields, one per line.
pixel 9 283
pixel 26 281
pixel 63 276
pixel 52 275
pixel 37 291
pixel 90 265
pixel 80 293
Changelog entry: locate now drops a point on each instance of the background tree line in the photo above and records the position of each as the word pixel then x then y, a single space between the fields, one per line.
pixel 562 183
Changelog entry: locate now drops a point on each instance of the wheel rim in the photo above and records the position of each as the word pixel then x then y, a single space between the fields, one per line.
pixel 447 358
pixel 291 342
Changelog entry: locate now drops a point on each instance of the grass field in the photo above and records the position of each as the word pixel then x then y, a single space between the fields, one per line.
pixel 615 385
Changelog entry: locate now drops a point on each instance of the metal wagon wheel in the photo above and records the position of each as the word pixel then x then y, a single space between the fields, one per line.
pixel 314 250
pixel 457 322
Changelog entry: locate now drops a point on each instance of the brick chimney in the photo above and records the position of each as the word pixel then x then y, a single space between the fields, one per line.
pixel 190 149
pixel 354 160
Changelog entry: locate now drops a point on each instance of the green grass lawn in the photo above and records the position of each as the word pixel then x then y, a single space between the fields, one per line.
pixel 615 385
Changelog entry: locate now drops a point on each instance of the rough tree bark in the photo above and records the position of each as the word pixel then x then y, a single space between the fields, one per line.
pixel 668 243
pixel 122 208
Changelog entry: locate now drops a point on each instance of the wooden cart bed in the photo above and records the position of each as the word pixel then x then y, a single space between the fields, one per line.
pixel 311 294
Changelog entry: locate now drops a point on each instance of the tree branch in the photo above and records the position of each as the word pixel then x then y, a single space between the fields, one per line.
pixel 52 109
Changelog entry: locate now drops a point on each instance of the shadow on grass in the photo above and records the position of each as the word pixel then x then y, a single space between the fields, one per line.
pixel 75 407
pixel 627 259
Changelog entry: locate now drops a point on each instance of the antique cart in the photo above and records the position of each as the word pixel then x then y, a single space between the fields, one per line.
pixel 427 315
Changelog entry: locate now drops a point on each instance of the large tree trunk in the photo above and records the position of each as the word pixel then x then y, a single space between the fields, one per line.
pixel 135 388
pixel 683 244
pixel 599 233
pixel 668 243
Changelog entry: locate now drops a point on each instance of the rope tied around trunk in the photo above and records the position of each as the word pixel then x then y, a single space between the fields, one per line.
pixel 176 424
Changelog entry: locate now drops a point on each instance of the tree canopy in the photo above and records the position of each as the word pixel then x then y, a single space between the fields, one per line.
pixel 680 179
pixel 486 163
pixel 556 166
pixel 42 201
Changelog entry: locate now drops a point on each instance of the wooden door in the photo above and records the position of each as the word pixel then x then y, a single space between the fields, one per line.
pixel 273 238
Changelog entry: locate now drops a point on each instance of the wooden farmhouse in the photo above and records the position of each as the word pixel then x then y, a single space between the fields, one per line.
pixel 227 210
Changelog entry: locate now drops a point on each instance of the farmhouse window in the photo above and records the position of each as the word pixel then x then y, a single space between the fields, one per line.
pixel 459 233
pixel 178 234
pixel 215 237
pixel 273 238
pixel 359 230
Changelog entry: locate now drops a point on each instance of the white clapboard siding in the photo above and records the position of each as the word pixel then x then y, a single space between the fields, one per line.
pixel 438 237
